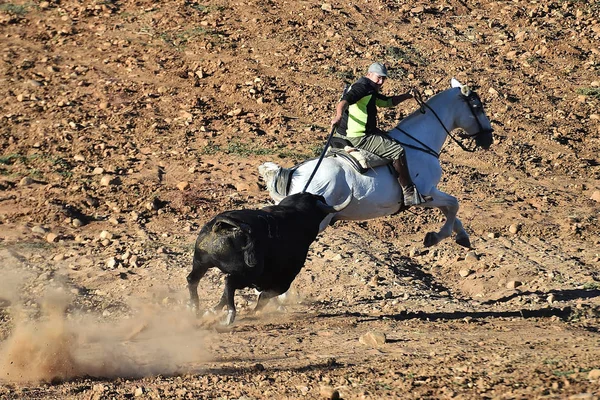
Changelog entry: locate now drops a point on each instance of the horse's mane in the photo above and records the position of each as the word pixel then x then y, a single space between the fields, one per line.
pixel 430 102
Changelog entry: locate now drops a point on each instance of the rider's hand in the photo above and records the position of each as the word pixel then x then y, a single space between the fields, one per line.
pixel 335 121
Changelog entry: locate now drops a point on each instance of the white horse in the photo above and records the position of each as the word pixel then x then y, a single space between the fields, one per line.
pixel 376 193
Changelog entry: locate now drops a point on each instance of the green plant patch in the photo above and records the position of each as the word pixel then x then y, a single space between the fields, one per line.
pixel 592 92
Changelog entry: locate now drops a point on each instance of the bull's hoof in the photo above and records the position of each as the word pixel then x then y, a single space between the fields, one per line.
pixel 464 241
pixel 210 313
pixel 431 239
pixel 229 318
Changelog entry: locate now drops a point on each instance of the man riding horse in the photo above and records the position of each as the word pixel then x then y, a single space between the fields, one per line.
pixel 356 121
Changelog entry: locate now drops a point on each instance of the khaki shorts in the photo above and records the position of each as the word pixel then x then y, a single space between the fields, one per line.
pixel 378 143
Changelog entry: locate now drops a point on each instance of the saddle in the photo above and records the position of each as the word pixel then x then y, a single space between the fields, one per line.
pixel 360 159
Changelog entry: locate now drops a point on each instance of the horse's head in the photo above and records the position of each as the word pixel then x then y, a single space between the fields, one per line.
pixel 476 123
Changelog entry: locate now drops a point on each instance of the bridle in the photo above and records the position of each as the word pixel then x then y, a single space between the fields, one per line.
pixel 473 101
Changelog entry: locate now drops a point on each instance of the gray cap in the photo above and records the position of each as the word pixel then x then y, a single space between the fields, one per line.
pixel 378 68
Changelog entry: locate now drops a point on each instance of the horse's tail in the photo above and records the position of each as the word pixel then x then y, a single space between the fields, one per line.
pixel 272 175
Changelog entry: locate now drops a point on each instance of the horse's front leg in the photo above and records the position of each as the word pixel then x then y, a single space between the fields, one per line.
pixel 448 205
pixel 462 237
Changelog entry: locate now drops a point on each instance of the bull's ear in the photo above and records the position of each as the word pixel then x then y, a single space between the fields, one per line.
pixel 251 259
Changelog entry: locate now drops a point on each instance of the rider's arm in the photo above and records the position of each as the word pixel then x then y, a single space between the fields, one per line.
pixel 339 110
pixel 400 98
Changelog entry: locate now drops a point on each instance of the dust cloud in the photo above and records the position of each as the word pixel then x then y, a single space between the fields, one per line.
pixel 58 345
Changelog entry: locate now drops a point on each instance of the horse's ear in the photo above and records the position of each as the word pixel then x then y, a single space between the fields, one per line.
pixel 455 83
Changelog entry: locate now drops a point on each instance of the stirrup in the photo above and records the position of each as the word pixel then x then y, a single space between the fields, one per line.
pixel 412 197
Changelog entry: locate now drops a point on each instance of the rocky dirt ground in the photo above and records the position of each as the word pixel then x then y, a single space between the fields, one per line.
pixel 126 125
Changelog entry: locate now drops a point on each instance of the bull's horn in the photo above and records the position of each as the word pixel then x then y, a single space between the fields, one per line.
pixel 337 208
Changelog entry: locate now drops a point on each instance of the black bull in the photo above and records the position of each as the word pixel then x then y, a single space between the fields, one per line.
pixel 264 249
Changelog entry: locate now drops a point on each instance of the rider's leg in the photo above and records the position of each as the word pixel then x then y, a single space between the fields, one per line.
pixel 409 191
pixel 387 147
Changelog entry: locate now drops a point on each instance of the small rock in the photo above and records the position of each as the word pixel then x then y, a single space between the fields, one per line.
pixel 513 284
pixel 327 392
pixel 582 396
pixel 138 392
pixel 106 235
pixel 374 339
pixel 76 222
pixel 106 180
pixel 465 272
pixel 493 235
pixel 98 171
pixel 79 157
pixel 594 375
pixel 39 229
pixel 52 238
pixel 471 256
pixel 596 196
pixel 111 263
pixel 514 229
pixel 337 257
pixel 26 181
pixel 326 7
pixel 183 186
pixel 551 298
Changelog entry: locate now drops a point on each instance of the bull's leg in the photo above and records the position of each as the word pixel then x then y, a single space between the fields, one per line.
pixel 232 283
pixel 198 271
pixel 264 297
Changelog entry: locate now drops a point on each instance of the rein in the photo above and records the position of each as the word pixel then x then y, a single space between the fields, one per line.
pixel 324 148
pixel 419 99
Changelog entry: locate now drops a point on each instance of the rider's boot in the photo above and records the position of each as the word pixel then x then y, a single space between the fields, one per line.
pixel 412 197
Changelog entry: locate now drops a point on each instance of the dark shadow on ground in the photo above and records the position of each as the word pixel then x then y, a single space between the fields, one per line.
pixel 559 295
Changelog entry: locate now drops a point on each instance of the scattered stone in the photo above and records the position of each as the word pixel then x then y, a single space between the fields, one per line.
pixel 183 186
pixel 111 263
pixel 582 396
pixel 513 284
pixel 471 256
pixel 138 392
pixel 52 238
pixel 327 392
pixel 596 196
pixel 26 181
pixel 76 222
pixel 551 298
pixel 465 272
pixel 98 171
pixel 493 235
pixel 39 229
pixel 326 7
pixel 106 180
pixel 336 257
pixel 374 339
pixel 594 375
pixel 106 235
pixel 79 157
pixel 514 229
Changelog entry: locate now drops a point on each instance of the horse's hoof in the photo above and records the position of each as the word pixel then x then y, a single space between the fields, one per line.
pixel 464 241
pixel 431 239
